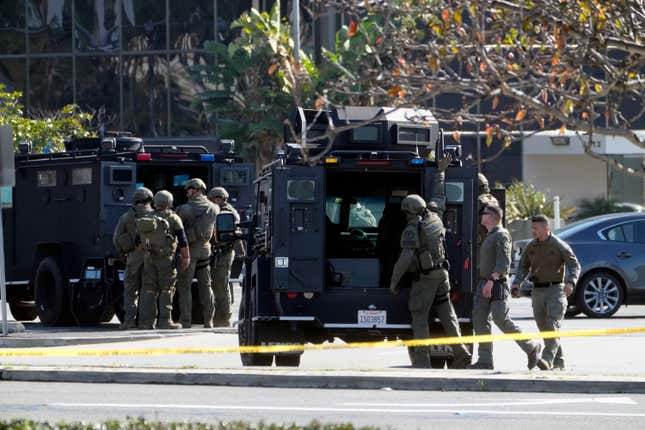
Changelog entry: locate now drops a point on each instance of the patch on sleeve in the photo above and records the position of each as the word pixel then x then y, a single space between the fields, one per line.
pixel 410 238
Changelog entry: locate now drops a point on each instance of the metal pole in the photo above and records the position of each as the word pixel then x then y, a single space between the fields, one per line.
pixel 296 29
pixel 556 212
pixel 3 284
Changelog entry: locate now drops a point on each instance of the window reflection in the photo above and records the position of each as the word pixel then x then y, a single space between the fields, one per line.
pixel 145 95
pixel 191 23
pixel 12 74
pixel 50 25
pixel 12 27
pixel 227 12
pixel 145 27
pixel 50 83
pixel 98 23
pixel 97 88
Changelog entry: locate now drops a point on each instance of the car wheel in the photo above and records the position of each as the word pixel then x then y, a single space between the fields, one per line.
pixel 51 294
pixel 600 295
pixel 287 360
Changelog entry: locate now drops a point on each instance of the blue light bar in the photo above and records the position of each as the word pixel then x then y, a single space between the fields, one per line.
pixel 418 162
pixel 206 157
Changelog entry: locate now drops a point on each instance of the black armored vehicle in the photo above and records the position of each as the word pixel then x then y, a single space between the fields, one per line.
pixel 60 261
pixel 326 228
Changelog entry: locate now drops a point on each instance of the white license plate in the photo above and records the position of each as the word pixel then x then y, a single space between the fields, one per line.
pixel 372 318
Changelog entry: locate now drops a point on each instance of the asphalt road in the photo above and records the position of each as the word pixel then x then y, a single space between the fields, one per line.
pixel 615 355
pixel 384 408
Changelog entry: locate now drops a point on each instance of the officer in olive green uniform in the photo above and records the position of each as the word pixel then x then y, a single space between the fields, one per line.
pixel 198 216
pixel 484 198
pixel 491 296
pixel 126 242
pixel 160 242
pixel 223 260
pixel 545 259
pixel 422 252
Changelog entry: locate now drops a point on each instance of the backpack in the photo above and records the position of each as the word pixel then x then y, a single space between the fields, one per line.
pixel 154 231
pixel 201 230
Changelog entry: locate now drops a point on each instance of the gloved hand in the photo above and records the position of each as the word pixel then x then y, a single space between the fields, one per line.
pixel 443 164
pixel 394 289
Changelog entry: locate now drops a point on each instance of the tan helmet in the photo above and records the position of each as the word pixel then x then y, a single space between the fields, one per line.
pixel 196 184
pixel 142 195
pixel 484 188
pixel 218 192
pixel 413 204
pixel 163 199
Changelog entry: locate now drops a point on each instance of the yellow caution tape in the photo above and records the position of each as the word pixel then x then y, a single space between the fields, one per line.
pixel 50 352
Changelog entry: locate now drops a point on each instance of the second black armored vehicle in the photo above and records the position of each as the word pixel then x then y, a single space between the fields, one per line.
pixel 326 229
pixel 60 216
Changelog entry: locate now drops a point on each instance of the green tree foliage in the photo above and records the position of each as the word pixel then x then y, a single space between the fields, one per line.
pixel 600 206
pixel 524 200
pixel 256 82
pixel 47 132
pixel 507 66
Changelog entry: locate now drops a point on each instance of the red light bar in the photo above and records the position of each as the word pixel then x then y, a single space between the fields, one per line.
pixel 374 163
pixel 467 263
pixel 144 157
pixel 292 295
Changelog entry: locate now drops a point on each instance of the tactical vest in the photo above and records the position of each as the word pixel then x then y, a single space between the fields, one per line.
pixel 202 222
pixel 127 241
pixel 155 234
pixel 431 253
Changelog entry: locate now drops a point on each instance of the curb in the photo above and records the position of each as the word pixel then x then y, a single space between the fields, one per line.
pixel 35 342
pixel 493 382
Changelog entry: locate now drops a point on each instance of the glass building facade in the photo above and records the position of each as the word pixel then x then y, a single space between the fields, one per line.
pixel 130 62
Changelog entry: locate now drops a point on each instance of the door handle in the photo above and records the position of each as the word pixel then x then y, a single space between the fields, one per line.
pixel 624 254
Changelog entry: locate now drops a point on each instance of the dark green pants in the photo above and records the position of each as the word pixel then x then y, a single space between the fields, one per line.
pixel 159 277
pixel 549 307
pixel 199 268
pixel 432 291
pixel 132 284
pixel 220 273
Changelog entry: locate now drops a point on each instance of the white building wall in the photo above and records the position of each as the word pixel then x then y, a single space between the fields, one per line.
pixel 572 177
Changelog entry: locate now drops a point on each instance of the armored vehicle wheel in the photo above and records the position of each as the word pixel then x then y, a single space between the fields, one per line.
pixel 287 360
pixel 52 295
pixel 23 311
pixel 246 334
pixel 438 362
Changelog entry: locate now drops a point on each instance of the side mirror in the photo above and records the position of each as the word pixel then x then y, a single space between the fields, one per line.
pixel 225 226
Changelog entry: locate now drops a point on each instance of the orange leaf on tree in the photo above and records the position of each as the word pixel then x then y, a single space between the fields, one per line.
pixel 272 69
pixel 320 102
pixel 456 136
pixel 520 114
pixel 393 91
pixel 445 15
pixel 495 102
pixel 353 27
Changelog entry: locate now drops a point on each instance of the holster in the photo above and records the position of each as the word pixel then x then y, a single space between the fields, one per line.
pixel 499 292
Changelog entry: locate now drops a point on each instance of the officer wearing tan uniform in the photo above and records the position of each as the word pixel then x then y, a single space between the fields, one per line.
pixel 544 261
pixel 127 243
pixel 161 233
pixel 491 296
pixel 223 255
pixel 423 253
pixel 198 216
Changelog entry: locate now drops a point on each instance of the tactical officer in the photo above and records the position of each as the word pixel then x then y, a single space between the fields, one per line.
pixel 545 259
pixel 223 254
pixel 198 216
pixel 160 231
pixel 126 242
pixel 484 198
pixel 492 292
pixel 423 253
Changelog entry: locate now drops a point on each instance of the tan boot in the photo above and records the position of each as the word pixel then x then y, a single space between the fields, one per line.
pixel 168 325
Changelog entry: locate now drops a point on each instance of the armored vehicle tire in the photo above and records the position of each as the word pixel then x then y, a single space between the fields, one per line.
pixel 438 362
pixel 52 297
pixel 246 337
pixel 287 360
pixel 23 311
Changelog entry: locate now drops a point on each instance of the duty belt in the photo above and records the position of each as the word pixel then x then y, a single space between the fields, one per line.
pixel 545 284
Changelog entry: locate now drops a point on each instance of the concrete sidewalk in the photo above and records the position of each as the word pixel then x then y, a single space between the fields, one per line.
pixel 401 379
pixel 35 335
